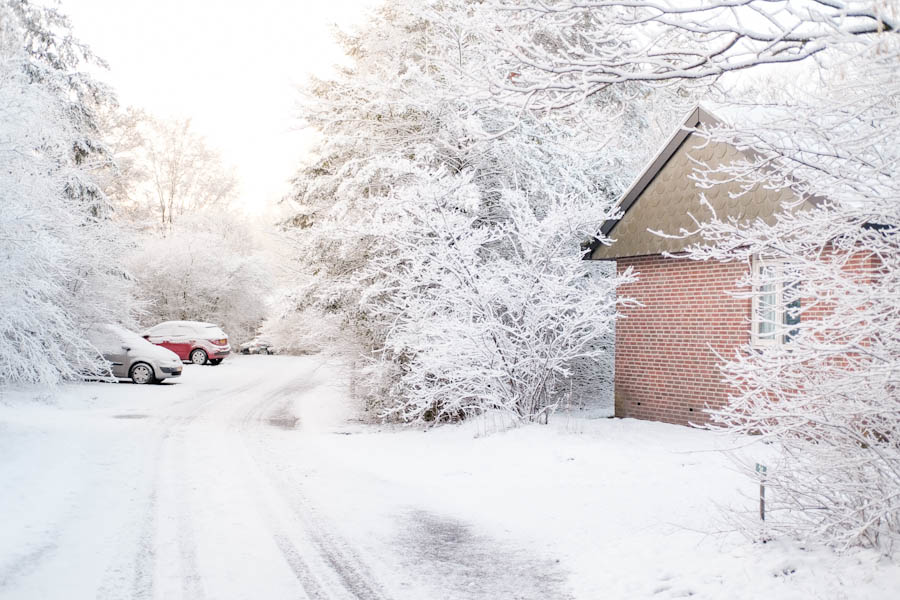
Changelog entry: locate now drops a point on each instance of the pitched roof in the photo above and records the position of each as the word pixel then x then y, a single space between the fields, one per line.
pixel 664 196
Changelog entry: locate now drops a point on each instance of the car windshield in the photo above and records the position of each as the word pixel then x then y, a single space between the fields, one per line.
pixel 127 337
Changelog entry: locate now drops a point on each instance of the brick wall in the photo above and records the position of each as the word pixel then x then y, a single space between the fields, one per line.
pixel 665 368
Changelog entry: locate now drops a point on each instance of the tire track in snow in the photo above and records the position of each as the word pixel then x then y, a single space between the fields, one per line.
pixel 170 492
pixel 301 570
pixel 25 564
pixel 191 583
pixel 294 558
pixel 349 577
pixel 186 537
pixel 202 443
pixel 140 582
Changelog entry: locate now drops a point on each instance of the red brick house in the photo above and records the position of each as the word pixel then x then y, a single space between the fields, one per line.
pixel 666 364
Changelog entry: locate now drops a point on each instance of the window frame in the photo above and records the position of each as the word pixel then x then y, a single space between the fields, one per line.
pixel 781 335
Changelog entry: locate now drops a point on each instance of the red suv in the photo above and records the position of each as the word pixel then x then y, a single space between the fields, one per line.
pixel 199 343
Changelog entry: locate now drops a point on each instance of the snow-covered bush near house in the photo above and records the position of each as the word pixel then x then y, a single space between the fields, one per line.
pixel 444 230
pixel 59 255
pixel 829 397
pixel 203 269
pixel 487 318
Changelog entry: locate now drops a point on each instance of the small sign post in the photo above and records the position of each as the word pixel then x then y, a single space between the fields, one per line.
pixel 761 469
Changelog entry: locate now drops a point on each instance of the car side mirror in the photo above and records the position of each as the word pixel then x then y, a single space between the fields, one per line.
pixel 126 348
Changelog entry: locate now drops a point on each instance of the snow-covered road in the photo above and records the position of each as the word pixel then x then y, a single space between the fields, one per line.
pixel 196 489
pixel 170 491
pixel 255 479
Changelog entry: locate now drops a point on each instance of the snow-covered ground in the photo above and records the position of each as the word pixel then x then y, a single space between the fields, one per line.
pixel 256 479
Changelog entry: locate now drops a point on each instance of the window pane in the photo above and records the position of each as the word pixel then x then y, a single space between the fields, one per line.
pixel 766 309
pixel 792 318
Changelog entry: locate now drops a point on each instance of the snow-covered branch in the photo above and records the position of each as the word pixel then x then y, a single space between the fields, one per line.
pixel 572 50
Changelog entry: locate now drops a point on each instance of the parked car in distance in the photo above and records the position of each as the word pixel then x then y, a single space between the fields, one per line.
pixel 258 345
pixel 194 341
pixel 131 356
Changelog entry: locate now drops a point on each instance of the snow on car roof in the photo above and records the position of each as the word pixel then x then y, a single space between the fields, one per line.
pixel 207 328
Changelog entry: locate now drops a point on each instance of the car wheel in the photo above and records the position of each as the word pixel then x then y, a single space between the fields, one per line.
pixel 215 361
pixel 142 373
pixel 198 356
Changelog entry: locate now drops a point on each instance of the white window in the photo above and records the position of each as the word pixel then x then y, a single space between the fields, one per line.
pixel 775 310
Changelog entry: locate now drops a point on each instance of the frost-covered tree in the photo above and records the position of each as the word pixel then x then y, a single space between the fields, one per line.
pixel 186 175
pixel 194 256
pixel 829 396
pixel 444 229
pixel 206 268
pixel 125 177
pixel 163 169
pixel 59 267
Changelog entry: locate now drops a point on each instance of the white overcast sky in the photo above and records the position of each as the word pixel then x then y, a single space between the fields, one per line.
pixel 233 66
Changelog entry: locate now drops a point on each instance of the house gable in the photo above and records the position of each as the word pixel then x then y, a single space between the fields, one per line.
pixel 665 196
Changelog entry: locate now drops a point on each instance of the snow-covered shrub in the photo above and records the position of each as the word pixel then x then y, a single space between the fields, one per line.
pixel 829 396
pixel 487 318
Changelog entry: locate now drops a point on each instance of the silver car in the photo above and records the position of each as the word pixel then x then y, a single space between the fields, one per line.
pixel 131 356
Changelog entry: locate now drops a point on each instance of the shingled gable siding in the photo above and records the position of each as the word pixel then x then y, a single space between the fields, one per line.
pixel 665 367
